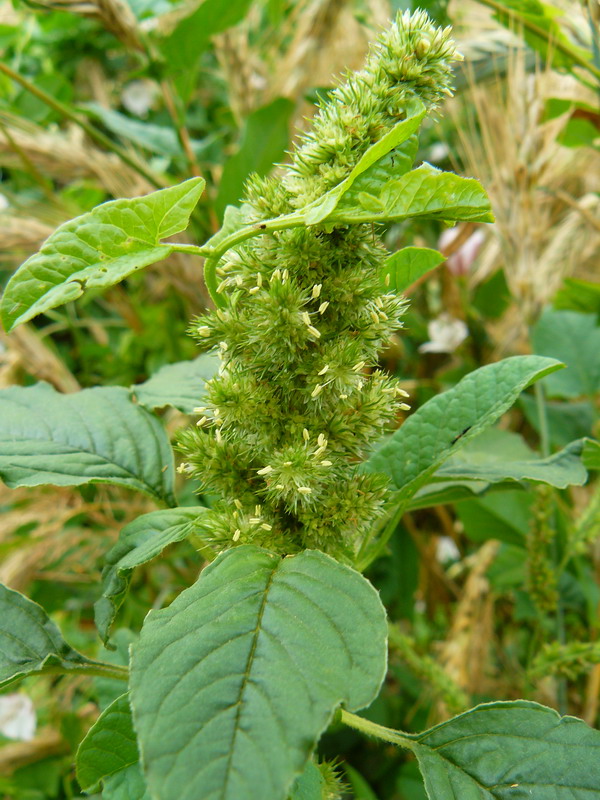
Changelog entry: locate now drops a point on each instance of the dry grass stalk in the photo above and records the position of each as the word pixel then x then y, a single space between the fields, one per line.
pixel 66 156
pixel 55 549
pixel 464 654
pixel 317 38
pixel 30 354
pixel 16 755
pixel 539 236
pixel 114 15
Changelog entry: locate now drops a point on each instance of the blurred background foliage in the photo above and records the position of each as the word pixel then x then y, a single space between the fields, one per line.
pixel 493 594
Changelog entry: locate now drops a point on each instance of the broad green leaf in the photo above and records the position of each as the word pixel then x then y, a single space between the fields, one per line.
pixel 92 436
pixel 379 163
pixel 509 750
pixel 30 643
pixel 233 683
pixel 504 516
pixel 98 249
pixel 139 542
pixel 591 454
pixel 264 142
pixel 407 265
pixel 573 338
pixel 109 754
pixel 497 455
pixel 422 192
pixel 180 385
pixel 448 421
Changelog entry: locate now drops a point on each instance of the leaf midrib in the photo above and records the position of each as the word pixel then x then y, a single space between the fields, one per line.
pixel 245 679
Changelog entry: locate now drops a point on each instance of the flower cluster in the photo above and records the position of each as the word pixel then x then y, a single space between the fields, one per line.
pixel 299 401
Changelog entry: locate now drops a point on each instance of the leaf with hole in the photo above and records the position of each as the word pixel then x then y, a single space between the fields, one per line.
pixel 234 682
pixel 98 249
pixel 92 436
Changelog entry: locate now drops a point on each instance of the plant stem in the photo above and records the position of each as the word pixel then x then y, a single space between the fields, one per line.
pixel 540 402
pixel 91 131
pixel 294 220
pixel 91 668
pixel 562 47
pixel 378 731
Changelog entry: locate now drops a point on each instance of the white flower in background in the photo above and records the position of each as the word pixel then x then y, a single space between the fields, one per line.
pixel 459 263
pixel 439 151
pixel 4 204
pixel 447 550
pixel 138 97
pixel 445 335
pixel 17 717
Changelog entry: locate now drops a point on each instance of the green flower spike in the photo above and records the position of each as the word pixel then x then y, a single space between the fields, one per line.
pixel 298 401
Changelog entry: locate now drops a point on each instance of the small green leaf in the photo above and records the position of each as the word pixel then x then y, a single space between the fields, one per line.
pixel 497 455
pixel 408 265
pixel 573 338
pixel 109 754
pixel 232 685
pixel 448 421
pixel 180 385
pixel 264 142
pixel 30 643
pixel 423 192
pixel 92 436
pixel 377 156
pixel 97 250
pixel 139 542
pixel 509 750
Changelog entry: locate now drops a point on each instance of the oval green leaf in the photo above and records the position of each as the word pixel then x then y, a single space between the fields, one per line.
pixel 232 685
pixel 108 754
pixel 422 192
pixel 92 436
pixel 448 421
pixel 98 249
pixel 509 751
